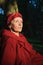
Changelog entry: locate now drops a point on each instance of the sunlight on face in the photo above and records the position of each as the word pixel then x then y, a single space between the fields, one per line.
pixel 17 24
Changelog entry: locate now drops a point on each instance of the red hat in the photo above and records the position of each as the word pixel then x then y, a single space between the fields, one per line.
pixel 12 16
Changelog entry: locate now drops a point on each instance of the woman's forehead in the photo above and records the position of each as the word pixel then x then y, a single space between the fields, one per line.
pixel 18 18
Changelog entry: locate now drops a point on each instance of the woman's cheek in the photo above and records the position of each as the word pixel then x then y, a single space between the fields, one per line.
pixel 13 26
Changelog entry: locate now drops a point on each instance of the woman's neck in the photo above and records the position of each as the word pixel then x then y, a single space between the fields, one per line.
pixel 16 33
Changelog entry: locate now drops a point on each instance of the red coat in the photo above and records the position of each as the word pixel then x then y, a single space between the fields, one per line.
pixel 17 51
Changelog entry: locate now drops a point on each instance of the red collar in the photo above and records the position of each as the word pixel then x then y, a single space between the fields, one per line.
pixel 20 38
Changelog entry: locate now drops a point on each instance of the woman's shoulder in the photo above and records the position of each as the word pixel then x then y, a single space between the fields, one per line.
pixel 8 42
pixel 7 36
pixel 22 35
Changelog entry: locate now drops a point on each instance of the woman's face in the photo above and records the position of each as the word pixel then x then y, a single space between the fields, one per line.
pixel 17 24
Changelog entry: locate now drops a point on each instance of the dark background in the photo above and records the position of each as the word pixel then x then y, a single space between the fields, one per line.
pixel 32 11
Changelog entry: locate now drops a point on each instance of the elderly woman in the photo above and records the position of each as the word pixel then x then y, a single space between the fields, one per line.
pixel 16 49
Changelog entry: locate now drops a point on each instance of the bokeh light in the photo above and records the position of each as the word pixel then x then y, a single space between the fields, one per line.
pixel 1 11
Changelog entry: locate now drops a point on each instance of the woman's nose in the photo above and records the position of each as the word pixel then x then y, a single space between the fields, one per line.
pixel 20 24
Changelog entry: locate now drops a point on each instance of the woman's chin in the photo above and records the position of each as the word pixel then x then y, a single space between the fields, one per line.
pixel 20 31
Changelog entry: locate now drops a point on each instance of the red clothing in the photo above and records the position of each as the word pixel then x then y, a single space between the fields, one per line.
pixel 18 51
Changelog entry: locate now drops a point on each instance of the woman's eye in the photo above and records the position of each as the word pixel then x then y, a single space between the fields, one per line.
pixel 16 21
